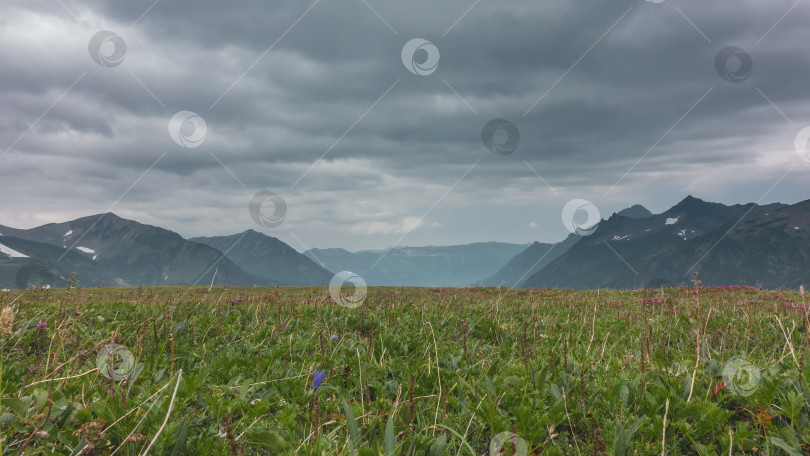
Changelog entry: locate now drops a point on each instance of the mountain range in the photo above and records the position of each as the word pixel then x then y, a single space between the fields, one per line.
pixel 268 257
pixel 727 245
pixel 105 249
pixel 451 266
pixel 760 245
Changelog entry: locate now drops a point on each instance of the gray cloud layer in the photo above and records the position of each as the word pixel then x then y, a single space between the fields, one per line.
pixel 281 83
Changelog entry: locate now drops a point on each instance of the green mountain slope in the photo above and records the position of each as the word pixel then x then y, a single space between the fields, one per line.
pixel 267 257
pixel 126 252
pixel 740 244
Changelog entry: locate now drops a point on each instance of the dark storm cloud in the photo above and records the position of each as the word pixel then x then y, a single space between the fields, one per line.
pixel 591 86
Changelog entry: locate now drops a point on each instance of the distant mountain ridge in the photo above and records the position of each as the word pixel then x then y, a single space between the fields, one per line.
pixel 121 252
pixel 267 257
pixel 452 266
pixel 761 245
pixel 533 259
pixel 635 211
pixel 740 244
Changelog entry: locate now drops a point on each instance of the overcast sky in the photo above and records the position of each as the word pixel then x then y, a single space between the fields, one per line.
pixel 372 139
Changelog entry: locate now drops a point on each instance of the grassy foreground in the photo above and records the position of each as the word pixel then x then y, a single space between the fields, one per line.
pixel 471 371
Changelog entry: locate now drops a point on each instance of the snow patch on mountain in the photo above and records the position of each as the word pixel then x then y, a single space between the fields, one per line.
pixel 672 221
pixel 68 233
pixel 11 252
pixel 85 250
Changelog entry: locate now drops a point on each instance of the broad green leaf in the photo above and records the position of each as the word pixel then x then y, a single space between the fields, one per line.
pixel 624 436
pixel 687 386
pixel 792 451
pixel 7 418
pixel 102 409
pixel 389 436
pixel 438 446
pixel 61 406
pixel 245 388
pixel 14 404
pixel 624 394
pixel 634 428
pixel 555 391
pixel 180 437
pixel 136 372
pixel 351 422
pixel 267 438
pixel 40 397
pixel 159 375
pixel 620 445
pixel 491 388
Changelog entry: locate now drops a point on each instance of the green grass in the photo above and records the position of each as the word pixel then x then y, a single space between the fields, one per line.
pixel 414 371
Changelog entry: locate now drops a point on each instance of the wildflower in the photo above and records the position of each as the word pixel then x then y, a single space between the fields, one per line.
pixel 181 326
pixel 6 321
pixel 317 379
pixel 334 337
pixel 42 324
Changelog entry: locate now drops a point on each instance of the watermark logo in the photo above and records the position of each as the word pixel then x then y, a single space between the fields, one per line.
pixel 279 209
pixel 342 279
pixel 733 64
pixel 569 217
pixel 107 48
pixel 420 57
pixel 500 146
pixel 802 144
pixel 502 438
pixel 187 129
pixel 25 274
pixel 741 377
pixel 115 362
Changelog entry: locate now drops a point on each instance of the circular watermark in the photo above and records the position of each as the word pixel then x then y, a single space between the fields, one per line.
pixel 420 57
pixel 502 438
pixel 339 281
pixel 741 377
pixel 733 64
pixel 30 270
pixel 506 145
pixel 569 217
pixel 187 129
pixel 107 48
pixel 802 144
pixel 115 362
pixel 279 209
